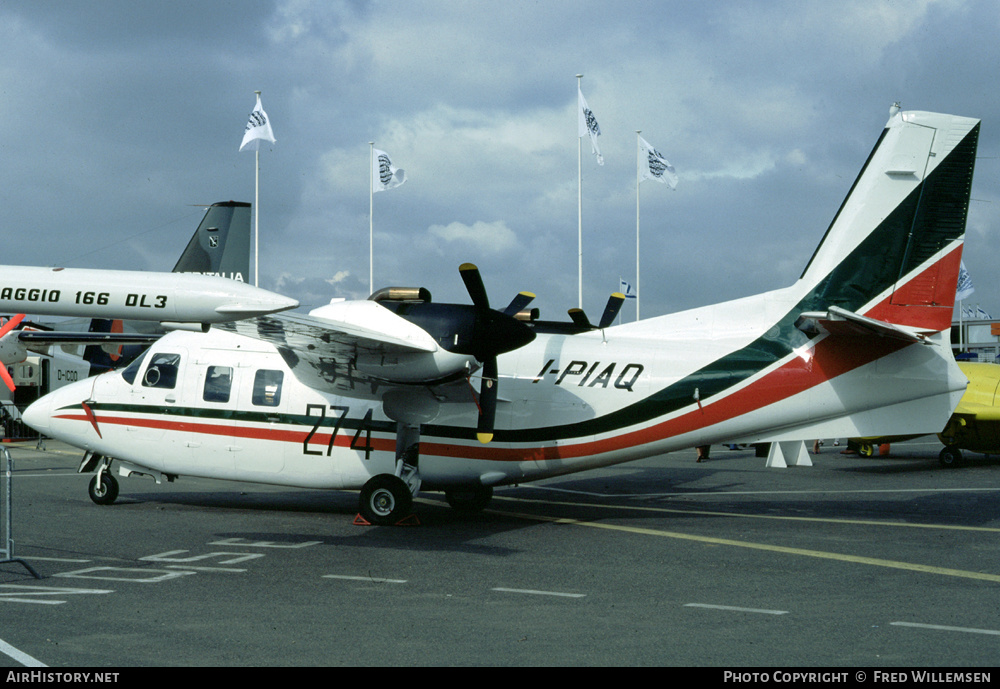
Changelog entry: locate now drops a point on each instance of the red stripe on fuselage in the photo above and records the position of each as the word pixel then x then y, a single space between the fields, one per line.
pixel 831 357
pixel 318 439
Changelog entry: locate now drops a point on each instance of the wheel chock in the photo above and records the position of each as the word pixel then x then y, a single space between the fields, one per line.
pixel 411 520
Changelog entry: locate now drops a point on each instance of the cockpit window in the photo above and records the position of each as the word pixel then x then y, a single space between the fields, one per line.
pixel 218 384
pixel 132 370
pixel 162 371
pixel 267 388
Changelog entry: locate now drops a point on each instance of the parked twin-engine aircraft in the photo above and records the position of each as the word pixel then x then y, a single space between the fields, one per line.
pixel 398 393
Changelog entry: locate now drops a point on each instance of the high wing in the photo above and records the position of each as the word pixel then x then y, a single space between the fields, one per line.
pixel 400 338
pixel 349 347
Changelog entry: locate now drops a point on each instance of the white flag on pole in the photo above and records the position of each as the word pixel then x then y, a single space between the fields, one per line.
pixel 656 167
pixel 626 289
pixel 965 287
pixel 258 129
pixel 588 125
pixel 385 175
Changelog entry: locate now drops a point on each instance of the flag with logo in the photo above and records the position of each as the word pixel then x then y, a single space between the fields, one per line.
pixel 965 287
pixel 588 125
pixel 655 166
pixel 626 289
pixel 385 175
pixel 258 129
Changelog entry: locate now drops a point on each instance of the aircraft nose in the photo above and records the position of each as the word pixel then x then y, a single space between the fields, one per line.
pixel 41 414
pixel 38 415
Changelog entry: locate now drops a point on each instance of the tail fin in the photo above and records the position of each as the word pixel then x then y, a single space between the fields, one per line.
pixel 221 244
pixel 894 248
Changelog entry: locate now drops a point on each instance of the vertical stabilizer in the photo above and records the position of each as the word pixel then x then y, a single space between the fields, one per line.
pixel 894 248
pixel 221 244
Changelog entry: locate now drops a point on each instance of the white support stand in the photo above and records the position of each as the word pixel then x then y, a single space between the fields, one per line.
pixel 792 452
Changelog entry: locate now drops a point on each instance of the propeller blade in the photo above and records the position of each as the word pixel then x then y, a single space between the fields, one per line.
pixel 11 324
pixel 611 310
pixel 492 333
pixel 518 303
pixel 487 401
pixel 580 318
pixel 474 284
pixel 7 327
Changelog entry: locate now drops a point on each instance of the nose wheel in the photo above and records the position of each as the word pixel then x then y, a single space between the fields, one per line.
pixel 103 488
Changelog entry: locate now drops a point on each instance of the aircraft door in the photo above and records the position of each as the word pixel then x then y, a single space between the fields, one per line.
pixel 156 405
pixel 213 442
pixel 263 405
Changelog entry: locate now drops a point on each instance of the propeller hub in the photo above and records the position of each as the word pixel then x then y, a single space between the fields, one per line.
pixel 474 330
pixel 497 333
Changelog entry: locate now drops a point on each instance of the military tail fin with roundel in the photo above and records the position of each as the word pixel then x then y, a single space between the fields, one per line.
pixel 892 253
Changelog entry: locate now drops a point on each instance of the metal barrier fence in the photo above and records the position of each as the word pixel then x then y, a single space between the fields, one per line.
pixel 12 427
pixel 6 513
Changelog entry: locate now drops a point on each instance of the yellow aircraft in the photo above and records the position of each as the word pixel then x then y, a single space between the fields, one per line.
pixel 974 426
pixel 975 423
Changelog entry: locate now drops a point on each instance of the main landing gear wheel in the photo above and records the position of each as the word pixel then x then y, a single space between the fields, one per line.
pixel 469 499
pixel 103 488
pixel 950 457
pixel 385 500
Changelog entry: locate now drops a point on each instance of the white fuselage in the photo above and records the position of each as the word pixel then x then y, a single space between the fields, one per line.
pixel 135 295
pixel 567 403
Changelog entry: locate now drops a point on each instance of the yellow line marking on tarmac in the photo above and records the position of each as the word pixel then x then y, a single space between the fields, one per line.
pixel 785 550
pixel 853 559
pixel 709 513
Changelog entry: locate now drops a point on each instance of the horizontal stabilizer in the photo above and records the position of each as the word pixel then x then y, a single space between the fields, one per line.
pixel 838 321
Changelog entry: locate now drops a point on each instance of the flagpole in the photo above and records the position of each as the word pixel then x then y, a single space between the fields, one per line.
pixel 961 326
pixel 371 208
pixel 256 211
pixel 638 288
pixel 579 206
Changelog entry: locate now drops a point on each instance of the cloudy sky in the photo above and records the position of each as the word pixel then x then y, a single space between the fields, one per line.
pixel 120 117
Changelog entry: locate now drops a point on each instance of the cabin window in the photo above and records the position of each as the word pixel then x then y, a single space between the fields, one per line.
pixel 132 370
pixel 267 388
pixel 218 384
pixel 162 371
